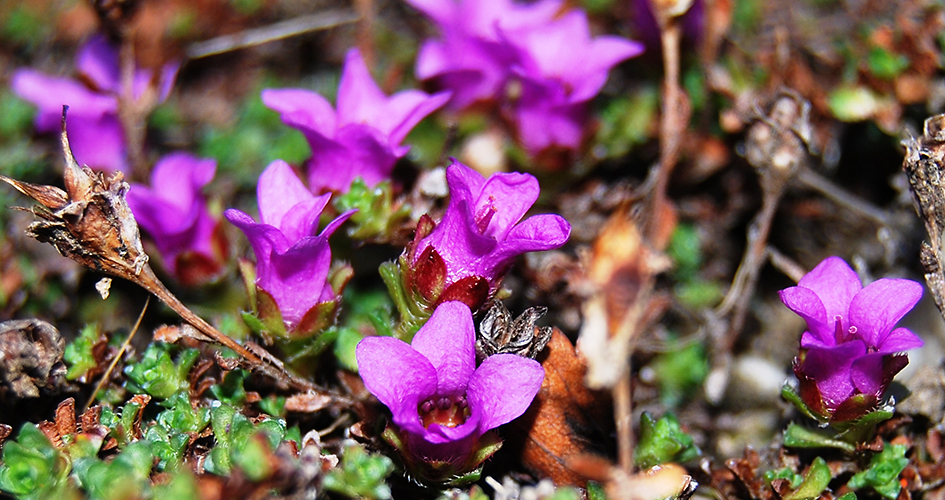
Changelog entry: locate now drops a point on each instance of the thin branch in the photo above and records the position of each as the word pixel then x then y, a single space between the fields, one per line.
pixel 276 31
pixel 121 351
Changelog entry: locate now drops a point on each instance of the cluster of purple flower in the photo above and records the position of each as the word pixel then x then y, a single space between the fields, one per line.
pixel 536 62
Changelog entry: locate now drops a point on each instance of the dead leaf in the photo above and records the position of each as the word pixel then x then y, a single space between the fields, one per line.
pixel 558 425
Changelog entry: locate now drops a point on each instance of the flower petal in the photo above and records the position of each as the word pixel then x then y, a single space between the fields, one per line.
pixel 359 98
pixel 899 340
pixel 807 304
pixel 405 110
pixel 448 340
pixel 98 61
pixel 285 203
pixel 830 369
pixel 876 309
pixel 179 176
pixel 49 94
pixel 98 142
pixel 502 388
pixel 302 108
pixel 835 283
pixel 510 195
pixel 399 376
pixel 866 372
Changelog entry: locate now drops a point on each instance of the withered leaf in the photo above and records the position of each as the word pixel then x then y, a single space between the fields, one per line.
pixel 559 425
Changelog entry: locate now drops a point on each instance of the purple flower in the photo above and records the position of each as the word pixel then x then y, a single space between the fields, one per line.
pixel 94 130
pixel 537 61
pixel 174 212
pixel 363 138
pixel 292 261
pixel 560 69
pixel 470 58
pixel 437 396
pixel 851 350
pixel 481 233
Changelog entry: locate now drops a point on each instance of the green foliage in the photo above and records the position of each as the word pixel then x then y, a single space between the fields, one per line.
pixel 377 216
pixel 854 103
pixel 784 473
pixel 16 115
pixel 360 475
pixel 663 441
pixel 885 64
pixel 595 491
pixel 627 121
pixel 174 427
pixel 241 443
pixel 78 353
pixel 367 310
pixel 231 391
pixel 680 371
pixel 685 248
pixel 815 481
pixel 156 374
pixel 125 476
pixel 23 25
pixel 883 472
pixel 32 467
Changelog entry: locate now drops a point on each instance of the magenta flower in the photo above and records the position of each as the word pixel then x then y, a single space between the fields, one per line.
pixel 560 69
pixel 94 130
pixel 481 233
pixel 537 62
pixel 441 404
pixel 292 261
pixel 174 212
pixel 363 138
pixel 471 58
pixel 851 350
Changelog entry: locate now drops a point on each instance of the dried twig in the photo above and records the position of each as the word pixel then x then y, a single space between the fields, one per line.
pixel 777 146
pixel 276 31
pixel 121 351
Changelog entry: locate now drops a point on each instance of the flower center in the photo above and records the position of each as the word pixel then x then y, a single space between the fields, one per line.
pixel 840 334
pixel 485 214
pixel 445 411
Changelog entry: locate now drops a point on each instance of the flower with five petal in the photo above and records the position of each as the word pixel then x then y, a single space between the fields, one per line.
pixel 293 260
pixel 363 137
pixel 560 68
pixel 174 212
pixel 470 58
pixel 441 403
pixel 851 349
pixel 95 133
pixel 467 254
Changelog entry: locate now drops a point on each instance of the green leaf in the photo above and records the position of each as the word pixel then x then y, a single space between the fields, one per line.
pixel 796 436
pixel 883 472
pixel 78 353
pixel 360 475
pixel 29 464
pixel 663 441
pixel 815 482
pixel 156 374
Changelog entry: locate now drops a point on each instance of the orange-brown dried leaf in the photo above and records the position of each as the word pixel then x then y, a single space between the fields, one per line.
pixel 553 430
pixel 65 417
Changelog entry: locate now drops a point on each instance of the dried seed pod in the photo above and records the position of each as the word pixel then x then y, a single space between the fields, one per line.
pixel 499 334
